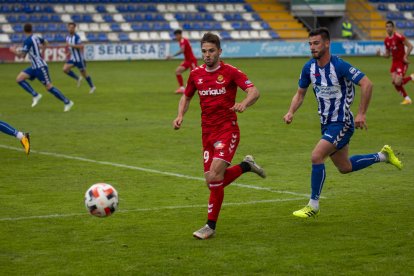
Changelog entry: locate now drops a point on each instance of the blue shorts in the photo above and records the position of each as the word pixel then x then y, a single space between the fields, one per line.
pixel 80 65
pixel 42 74
pixel 338 134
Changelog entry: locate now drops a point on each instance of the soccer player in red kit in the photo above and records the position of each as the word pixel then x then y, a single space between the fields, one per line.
pixel 190 61
pixel 217 83
pixel 395 44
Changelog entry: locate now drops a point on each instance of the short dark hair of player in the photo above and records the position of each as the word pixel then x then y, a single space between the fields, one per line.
pixel 28 28
pixel 72 24
pixel 390 22
pixel 323 32
pixel 176 32
pixel 211 38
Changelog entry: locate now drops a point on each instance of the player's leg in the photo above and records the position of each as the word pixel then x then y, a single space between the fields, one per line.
pixel 24 138
pixel 398 81
pixel 178 73
pixel 21 79
pixel 82 69
pixel 44 78
pixel 67 69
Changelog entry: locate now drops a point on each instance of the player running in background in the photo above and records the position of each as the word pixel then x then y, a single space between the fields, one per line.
pixel 217 83
pixel 395 44
pixel 24 138
pixel 333 82
pixel 76 58
pixel 33 46
pixel 190 61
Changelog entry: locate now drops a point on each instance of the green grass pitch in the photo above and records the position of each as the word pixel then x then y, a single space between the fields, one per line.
pixel 366 224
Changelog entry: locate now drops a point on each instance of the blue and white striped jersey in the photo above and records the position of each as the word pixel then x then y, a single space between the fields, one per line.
pixel 32 46
pixel 75 54
pixel 333 86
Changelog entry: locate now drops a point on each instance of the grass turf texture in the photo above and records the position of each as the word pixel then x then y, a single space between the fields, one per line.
pixel 366 222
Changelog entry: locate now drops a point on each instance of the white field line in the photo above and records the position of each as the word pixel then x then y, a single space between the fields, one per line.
pixel 254 202
pixel 248 186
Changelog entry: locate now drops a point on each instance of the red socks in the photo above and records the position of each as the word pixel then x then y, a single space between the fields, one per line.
pixel 180 80
pixel 401 90
pixel 232 174
pixel 215 200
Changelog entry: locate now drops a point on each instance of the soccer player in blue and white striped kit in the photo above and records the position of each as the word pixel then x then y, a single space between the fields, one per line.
pixel 75 46
pixel 32 46
pixel 333 82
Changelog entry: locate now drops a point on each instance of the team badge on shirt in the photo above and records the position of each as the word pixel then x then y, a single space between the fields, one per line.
pixel 220 79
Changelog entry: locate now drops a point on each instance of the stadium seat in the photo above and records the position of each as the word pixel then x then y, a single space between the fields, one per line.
pixel 112 37
pixel 18 28
pixel 4 38
pixel 123 37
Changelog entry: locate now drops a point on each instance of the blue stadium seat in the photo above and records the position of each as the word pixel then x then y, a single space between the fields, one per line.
pixel 16 38
pixel 52 27
pixel 409 24
pixel 41 28
pixel 265 26
pixel 102 37
pixel 201 8
pixel 12 19
pixel 108 18
pixel 44 18
pixel 55 18
pixel 138 17
pixel 225 36
pixel 76 18
pixel 60 37
pixel 92 37
pixel 274 35
pixel 100 9
pixel 137 27
pixel 382 7
pixel 116 27
pixel 400 24
pixel 87 18
pixel 146 27
pixel 409 33
pixel 62 27
pixel 123 37
pixel 18 28
pixel 49 37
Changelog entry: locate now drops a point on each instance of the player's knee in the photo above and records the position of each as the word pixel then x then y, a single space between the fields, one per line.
pixel 213 176
pixel 316 158
pixel 49 86
pixel 345 170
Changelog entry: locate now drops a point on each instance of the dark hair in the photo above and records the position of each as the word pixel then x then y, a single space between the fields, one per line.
pixel 176 32
pixel 28 28
pixel 323 32
pixel 390 22
pixel 72 23
pixel 211 38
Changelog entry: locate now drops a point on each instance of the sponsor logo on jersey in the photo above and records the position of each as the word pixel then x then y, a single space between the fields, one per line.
pixel 219 145
pixel 212 92
pixel 248 82
pixel 327 92
pixel 200 81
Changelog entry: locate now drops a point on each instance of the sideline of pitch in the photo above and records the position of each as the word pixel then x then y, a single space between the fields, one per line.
pixel 248 186
pixel 254 202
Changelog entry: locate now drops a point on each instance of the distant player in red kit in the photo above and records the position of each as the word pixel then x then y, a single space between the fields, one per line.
pixel 190 61
pixel 395 44
pixel 217 83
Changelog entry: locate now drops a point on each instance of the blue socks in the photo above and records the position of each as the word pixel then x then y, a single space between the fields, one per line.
pixel 317 180
pixel 72 75
pixel 89 80
pixel 8 129
pixel 59 95
pixel 26 86
pixel 360 162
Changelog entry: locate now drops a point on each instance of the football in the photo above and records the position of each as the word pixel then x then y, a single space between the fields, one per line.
pixel 101 200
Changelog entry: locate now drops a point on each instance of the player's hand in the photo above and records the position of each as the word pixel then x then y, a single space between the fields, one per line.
pixel 13 48
pixel 361 122
pixel 288 118
pixel 177 122
pixel 238 107
pixel 406 61
pixel 378 52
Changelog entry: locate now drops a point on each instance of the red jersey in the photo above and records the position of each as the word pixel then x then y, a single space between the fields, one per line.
pixel 395 45
pixel 217 90
pixel 188 51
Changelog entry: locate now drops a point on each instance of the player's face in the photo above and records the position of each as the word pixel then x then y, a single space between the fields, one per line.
pixel 211 54
pixel 71 29
pixel 178 37
pixel 390 29
pixel 318 46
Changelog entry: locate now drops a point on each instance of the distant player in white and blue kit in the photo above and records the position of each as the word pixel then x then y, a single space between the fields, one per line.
pixel 333 82
pixel 33 46
pixel 76 58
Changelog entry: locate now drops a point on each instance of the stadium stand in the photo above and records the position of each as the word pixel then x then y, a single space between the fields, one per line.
pixel 402 12
pixel 144 20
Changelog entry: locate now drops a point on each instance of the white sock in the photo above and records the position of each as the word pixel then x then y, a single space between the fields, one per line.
pixel 408 98
pixel 314 203
pixel 382 157
pixel 20 135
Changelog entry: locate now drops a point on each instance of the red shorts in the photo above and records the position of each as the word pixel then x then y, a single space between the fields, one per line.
pixel 399 67
pixel 189 64
pixel 220 145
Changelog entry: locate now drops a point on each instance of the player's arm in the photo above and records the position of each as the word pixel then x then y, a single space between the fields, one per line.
pixel 19 52
pixel 297 101
pixel 366 94
pixel 409 46
pixel 252 97
pixel 181 51
pixel 182 109
pixel 386 54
